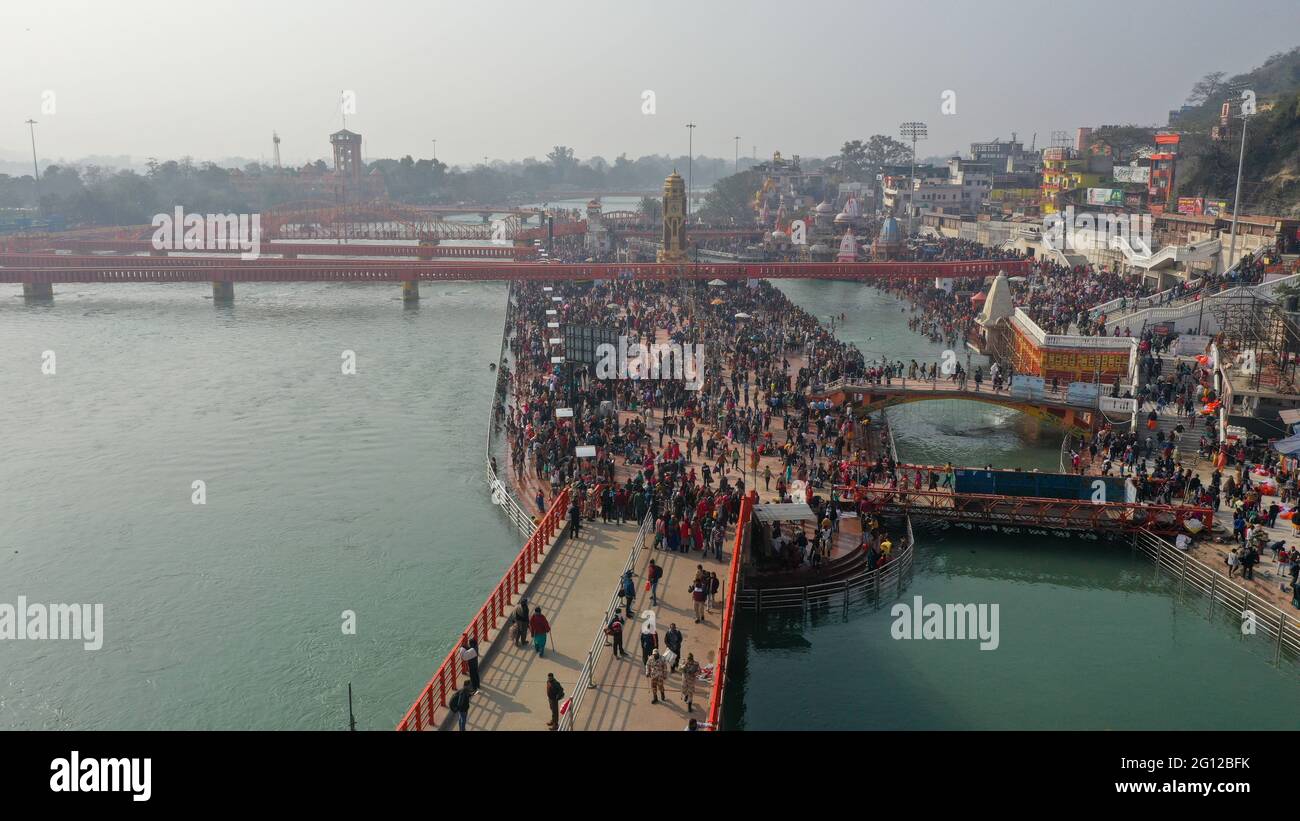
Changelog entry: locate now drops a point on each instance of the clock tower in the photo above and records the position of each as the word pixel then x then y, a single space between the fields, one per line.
pixel 674 241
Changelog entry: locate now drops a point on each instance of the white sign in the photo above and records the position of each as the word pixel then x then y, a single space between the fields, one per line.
pixel 1131 173
pixel 547 288
pixel 557 360
pixel 552 324
pixel 564 413
pixel 551 312
pixel 557 299
pixel 557 340
pixel 585 451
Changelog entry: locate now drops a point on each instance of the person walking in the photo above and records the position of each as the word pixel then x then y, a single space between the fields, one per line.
pixel 459 705
pixel 575 517
pixel 714 584
pixel 698 596
pixel 554 692
pixel 540 628
pixel 690 674
pixel 469 655
pixel 615 631
pixel 657 670
pixel 627 591
pixel 653 573
pixel 649 643
pixel 521 622
pixel 673 641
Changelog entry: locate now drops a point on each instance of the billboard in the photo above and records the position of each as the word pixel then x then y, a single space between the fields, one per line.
pixel 1194 206
pixel 1217 208
pixel 1131 173
pixel 1105 196
pixel 581 342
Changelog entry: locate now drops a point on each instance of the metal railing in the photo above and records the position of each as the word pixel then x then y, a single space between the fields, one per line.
pixel 422 714
pixel 1135 304
pixel 865 587
pixel 586 679
pixel 1271 624
pixel 729 603
pixel 501 493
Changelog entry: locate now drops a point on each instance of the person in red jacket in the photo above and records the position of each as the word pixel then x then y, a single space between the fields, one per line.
pixel 540 628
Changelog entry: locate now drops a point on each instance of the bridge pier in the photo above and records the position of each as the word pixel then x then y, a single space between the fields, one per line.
pixel 38 291
pixel 410 290
pixel 223 293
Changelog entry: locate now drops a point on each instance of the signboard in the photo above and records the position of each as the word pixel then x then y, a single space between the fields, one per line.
pixel 1192 344
pixel 1132 173
pixel 1100 489
pixel 564 413
pixel 556 340
pixel 1083 393
pixel 557 360
pixel 1105 196
pixel 585 451
pixel 1217 208
pixel 581 342
pixel 552 324
pixel 1027 387
pixel 1193 206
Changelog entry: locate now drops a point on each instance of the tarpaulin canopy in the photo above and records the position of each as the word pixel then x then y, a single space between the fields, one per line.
pixel 1289 446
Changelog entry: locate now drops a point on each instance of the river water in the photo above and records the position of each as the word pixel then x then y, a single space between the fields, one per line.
pixel 328 492
pixel 1090 636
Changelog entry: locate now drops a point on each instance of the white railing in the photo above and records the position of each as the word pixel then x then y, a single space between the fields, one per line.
pixel 501 493
pixel 1280 629
pixel 586 679
pixel 1135 304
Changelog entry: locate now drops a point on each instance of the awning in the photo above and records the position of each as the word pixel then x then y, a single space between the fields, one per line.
pixel 796 512
pixel 1290 416
pixel 1289 446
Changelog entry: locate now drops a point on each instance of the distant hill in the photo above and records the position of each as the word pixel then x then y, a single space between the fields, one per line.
pixel 1271 172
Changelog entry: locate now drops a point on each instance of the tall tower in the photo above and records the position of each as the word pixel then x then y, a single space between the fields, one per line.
pixel 347 155
pixel 674 242
pixel 275 138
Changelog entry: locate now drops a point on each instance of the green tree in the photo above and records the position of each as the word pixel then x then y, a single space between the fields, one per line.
pixel 731 199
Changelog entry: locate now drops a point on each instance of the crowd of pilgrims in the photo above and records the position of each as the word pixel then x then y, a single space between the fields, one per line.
pixel 668 429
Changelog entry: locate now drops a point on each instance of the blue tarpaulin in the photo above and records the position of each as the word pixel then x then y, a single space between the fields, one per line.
pixel 1289 446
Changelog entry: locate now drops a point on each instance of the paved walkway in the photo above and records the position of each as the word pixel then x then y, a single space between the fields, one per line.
pixel 572 588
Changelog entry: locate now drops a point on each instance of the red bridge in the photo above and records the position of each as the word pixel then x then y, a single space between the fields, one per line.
pixel 38 272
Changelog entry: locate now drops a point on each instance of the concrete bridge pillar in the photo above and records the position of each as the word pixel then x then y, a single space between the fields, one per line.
pixel 486 215
pixel 223 293
pixel 38 291
pixel 411 290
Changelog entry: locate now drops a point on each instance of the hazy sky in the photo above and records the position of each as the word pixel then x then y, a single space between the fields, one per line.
pixel 510 79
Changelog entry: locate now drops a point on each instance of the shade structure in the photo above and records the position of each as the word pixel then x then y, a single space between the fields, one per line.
pixel 978 299
pixel 715 302
pixel 716 282
pixel 1289 446
pixel 742 315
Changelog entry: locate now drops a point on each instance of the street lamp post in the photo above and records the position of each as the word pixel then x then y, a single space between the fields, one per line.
pixel 1236 200
pixel 435 150
pixel 914 131
pixel 690 165
pixel 737 171
pixel 36 171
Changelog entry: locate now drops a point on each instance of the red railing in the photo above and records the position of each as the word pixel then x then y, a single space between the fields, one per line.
pixel 422 715
pixel 728 615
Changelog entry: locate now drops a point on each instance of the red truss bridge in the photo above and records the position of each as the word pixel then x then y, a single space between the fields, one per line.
pixel 39 272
